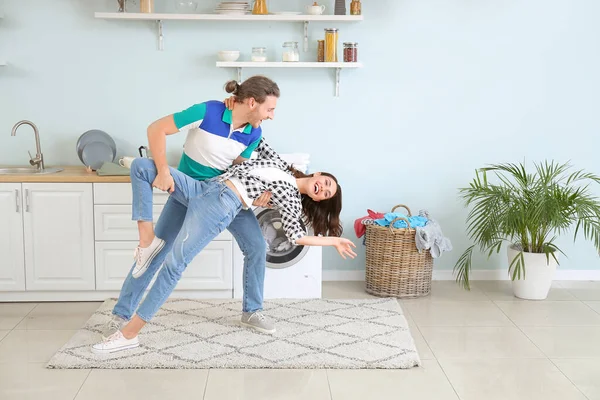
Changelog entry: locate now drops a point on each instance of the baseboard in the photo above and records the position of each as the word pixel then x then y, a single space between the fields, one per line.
pixel 476 275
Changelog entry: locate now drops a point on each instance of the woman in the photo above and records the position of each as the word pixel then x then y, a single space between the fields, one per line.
pixel 213 204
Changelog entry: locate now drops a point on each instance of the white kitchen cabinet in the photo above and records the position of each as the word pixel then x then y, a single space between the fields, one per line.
pixel 12 266
pixel 58 236
pixel 210 270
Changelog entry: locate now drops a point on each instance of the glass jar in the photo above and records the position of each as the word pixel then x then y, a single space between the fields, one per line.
pixel 320 50
pixel 259 54
pixel 355 7
pixel 331 44
pixel 146 6
pixel 350 52
pixel 290 52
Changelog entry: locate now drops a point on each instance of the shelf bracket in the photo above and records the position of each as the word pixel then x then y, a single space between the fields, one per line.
pixel 160 35
pixel 239 75
pixel 305 36
pixel 337 81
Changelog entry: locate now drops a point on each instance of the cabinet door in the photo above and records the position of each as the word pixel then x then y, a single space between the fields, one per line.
pixel 210 270
pixel 12 266
pixel 113 222
pixel 59 236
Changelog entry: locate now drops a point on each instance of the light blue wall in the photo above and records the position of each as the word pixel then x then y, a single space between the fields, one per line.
pixel 447 87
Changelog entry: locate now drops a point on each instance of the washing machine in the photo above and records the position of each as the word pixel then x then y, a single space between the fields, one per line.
pixel 292 271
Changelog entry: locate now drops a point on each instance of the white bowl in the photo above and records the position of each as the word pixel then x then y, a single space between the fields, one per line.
pixel 229 55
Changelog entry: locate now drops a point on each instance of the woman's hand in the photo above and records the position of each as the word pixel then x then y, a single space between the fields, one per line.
pixel 344 247
pixel 263 200
pixel 229 102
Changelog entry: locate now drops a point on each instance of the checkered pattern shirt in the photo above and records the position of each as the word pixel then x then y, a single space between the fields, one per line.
pixel 285 197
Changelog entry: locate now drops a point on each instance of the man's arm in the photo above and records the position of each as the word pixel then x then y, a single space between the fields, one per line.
pixel 157 139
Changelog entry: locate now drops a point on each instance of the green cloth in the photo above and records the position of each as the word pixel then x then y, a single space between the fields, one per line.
pixel 109 168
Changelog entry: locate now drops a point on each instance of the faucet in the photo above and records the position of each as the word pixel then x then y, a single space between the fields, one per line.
pixel 39 158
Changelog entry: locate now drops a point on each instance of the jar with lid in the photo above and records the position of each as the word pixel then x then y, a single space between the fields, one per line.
pixel 355 7
pixel 259 54
pixel 320 50
pixel 331 44
pixel 350 52
pixel 290 52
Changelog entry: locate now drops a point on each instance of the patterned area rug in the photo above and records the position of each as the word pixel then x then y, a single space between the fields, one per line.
pixel 316 333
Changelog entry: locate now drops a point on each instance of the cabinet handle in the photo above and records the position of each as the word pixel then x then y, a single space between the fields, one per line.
pixel 26 200
pixel 17 195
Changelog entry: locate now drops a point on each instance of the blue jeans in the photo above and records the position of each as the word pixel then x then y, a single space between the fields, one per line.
pixel 244 228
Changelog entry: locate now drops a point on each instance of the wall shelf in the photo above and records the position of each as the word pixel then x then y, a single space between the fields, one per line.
pixel 159 18
pixel 338 66
pixel 3 63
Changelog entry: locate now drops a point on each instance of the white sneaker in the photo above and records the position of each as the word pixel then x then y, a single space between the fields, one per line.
pixel 115 342
pixel 145 255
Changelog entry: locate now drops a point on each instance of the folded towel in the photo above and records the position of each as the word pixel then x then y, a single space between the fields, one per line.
pixel 109 168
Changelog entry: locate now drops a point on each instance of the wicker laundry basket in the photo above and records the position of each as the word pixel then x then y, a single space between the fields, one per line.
pixel 395 268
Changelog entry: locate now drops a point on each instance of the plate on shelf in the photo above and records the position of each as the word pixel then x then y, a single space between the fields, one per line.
pixel 94 154
pixel 285 13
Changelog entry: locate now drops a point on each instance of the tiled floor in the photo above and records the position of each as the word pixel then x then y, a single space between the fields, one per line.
pixel 482 344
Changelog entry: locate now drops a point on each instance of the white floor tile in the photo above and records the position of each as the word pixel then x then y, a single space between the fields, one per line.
pixel 550 313
pixel 59 316
pixel 480 342
pixel 594 305
pixel 2 334
pixel 32 346
pixel 32 381
pixel 502 291
pixel 509 379
pixel 566 341
pixel 457 313
pixel 12 313
pixel 420 383
pixel 267 385
pixel 584 374
pixel 148 384
pixel 583 290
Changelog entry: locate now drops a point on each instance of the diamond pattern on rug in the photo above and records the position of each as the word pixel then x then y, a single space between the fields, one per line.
pixel 201 334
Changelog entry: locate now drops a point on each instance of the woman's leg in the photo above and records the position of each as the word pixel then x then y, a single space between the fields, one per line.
pixel 207 216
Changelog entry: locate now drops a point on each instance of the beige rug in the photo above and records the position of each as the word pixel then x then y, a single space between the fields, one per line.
pixel 317 333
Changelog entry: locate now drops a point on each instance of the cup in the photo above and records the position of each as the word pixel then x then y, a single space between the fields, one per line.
pixel 126 161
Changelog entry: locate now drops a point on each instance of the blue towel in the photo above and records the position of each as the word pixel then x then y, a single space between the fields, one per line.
pixel 415 220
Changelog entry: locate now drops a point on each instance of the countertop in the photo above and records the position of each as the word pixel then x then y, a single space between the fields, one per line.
pixel 70 174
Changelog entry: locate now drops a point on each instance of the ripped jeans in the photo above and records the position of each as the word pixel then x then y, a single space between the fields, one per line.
pixel 210 206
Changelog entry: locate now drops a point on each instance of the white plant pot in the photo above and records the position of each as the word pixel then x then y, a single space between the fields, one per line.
pixel 539 273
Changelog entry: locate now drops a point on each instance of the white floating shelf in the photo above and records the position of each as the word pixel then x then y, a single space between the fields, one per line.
pixel 159 18
pixel 3 63
pixel 338 66
pixel 226 17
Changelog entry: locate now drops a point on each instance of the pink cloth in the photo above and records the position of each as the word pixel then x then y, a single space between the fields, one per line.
pixel 359 228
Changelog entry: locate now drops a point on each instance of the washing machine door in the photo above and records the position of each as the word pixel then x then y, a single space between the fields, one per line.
pixel 280 252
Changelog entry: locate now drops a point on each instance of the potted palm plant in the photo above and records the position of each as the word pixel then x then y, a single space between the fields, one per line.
pixel 529 211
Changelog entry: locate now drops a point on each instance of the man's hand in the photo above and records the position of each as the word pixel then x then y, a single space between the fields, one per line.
pixel 263 200
pixel 229 102
pixel 164 181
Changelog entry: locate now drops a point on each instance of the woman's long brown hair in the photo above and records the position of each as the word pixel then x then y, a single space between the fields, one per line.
pixel 323 216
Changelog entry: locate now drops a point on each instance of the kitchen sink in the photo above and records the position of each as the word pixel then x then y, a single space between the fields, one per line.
pixel 28 171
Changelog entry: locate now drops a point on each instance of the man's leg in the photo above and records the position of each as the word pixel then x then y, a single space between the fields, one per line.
pixel 207 215
pixel 167 228
pixel 143 173
pixel 248 235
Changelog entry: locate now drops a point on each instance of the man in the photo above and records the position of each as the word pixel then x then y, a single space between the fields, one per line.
pixel 217 137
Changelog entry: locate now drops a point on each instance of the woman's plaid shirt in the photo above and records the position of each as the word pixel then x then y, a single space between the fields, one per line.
pixel 285 197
